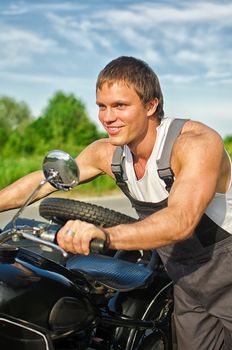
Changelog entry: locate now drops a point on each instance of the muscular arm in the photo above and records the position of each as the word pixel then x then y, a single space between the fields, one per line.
pixel 197 160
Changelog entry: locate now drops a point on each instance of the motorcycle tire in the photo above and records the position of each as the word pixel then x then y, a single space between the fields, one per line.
pixel 60 210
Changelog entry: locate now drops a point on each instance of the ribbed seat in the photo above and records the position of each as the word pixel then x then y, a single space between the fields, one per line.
pixel 111 272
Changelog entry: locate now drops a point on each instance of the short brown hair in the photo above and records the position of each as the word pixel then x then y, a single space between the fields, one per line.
pixel 135 72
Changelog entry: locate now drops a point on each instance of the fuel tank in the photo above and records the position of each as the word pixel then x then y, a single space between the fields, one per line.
pixel 41 292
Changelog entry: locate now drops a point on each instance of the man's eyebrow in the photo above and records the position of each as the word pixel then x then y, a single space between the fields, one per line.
pixel 120 101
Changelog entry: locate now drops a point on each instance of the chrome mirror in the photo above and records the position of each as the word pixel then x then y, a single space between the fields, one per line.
pixel 61 170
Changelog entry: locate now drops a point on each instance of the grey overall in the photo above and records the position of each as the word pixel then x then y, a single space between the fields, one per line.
pixel 200 266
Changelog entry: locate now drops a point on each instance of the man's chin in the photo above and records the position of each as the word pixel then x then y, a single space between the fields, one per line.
pixel 116 141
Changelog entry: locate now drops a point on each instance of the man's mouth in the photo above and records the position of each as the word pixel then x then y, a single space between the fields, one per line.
pixel 113 130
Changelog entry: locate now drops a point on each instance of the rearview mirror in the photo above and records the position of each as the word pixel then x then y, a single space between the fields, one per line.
pixel 61 170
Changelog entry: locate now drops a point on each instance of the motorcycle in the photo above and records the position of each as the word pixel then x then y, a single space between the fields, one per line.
pixel 51 300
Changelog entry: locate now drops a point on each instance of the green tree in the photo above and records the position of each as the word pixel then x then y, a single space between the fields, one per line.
pixel 64 125
pixel 13 116
pixel 68 122
pixel 228 144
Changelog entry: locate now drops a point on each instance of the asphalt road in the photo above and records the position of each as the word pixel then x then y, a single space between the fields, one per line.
pixel 118 203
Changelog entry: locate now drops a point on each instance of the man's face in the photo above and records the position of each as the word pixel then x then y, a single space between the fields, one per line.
pixel 122 114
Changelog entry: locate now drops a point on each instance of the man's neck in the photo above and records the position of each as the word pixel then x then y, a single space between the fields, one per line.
pixel 143 149
pixel 141 152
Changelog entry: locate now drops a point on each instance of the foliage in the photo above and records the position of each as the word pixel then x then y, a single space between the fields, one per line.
pixel 63 125
pixel 13 116
pixel 228 145
pixel 12 169
pixel 24 141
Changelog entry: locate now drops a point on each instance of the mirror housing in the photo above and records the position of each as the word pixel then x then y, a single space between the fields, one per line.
pixel 61 170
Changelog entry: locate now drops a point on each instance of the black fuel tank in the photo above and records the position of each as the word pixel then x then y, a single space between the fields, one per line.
pixel 39 291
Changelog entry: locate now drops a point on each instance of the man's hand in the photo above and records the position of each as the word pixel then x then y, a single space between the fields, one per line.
pixel 75 236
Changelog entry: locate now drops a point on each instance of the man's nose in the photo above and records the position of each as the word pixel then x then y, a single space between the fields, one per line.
pixel 109 115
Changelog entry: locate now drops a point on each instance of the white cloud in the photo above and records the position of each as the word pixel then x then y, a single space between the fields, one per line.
pixel 185 12
pixel 22 7
pixel 160 33
pixel 179 79
pixel 80 33
pixel 45 79
pixel 146 27
pixel 19 46
pixel 189 56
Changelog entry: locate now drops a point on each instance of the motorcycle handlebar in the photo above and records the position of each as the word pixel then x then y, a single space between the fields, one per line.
pixel 98 246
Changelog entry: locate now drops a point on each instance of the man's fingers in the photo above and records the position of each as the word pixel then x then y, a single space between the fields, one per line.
pixel 65 236
pixel 75 236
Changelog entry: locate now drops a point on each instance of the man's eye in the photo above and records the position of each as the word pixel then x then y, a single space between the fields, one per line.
pixel 101 107
pixel 120 105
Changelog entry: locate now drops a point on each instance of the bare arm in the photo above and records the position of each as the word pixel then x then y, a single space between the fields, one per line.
pixel 92 163
pixel 95 160
pixel 14 195
pixel 197 161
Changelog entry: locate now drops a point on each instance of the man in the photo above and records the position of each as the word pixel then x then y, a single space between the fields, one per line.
pixel 178 177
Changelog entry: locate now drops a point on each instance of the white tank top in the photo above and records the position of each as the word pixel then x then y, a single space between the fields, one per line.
pixel 151 188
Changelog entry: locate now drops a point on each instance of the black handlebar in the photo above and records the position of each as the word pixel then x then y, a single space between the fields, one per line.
pixel 98 246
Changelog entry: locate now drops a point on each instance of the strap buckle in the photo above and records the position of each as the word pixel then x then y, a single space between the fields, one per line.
pixel 167 175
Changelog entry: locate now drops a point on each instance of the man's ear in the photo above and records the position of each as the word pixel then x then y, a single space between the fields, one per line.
pixel 152 106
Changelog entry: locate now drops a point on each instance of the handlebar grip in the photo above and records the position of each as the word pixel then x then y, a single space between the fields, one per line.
pixel 98 246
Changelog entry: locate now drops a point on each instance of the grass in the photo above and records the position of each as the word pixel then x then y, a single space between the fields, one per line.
pixel 13 169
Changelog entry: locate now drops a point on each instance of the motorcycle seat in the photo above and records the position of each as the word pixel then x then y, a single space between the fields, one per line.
pixel 111 272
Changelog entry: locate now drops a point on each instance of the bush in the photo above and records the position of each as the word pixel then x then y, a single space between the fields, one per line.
pixel 228 145
pixel 12 169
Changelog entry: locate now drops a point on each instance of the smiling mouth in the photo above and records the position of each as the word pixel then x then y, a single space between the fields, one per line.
pixel 113 130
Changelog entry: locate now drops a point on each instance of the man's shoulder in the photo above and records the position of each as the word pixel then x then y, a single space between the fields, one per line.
pixel 195 140
pixel 96 157
pixel 102 150
pixel 195 131
pixel 103 145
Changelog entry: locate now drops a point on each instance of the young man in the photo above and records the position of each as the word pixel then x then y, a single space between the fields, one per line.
pixel 178 177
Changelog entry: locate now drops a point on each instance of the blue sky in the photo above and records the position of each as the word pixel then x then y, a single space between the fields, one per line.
pixel 50 45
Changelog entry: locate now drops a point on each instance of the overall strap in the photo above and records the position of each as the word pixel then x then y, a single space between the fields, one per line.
pixel 118 169
pixel 163 163
pixel 143 209
pixel 118 165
